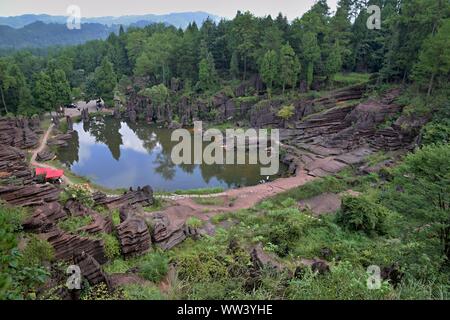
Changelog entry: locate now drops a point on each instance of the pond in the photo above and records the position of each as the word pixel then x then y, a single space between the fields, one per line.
pixel 118 154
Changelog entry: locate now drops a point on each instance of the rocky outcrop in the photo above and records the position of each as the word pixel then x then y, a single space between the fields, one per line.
pixel 13 166
pixel 29 195
pixel 317 265
pixel 166 234
pixel 44 217
pixel 16 132
pixel 85 114
pixel 45 155
pixel 99 224
pixel 142 196
pixel 91 270
pixel 263 260
pixel 76 209
pixel 133 234
pixel 68 245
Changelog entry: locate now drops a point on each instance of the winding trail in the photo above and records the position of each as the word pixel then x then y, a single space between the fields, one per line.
pixel 42 144
pixel 183 207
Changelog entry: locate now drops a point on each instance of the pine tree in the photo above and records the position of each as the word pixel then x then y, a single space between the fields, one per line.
pixel 269 70
pixel 289 66
pixel 434 59
pixel 105 81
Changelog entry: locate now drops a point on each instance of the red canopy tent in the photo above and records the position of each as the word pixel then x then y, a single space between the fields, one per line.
pixel 50 174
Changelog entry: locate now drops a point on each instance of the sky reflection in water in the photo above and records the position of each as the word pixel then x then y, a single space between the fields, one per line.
pixel 116 154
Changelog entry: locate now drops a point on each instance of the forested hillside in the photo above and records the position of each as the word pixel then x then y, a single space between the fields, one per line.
pixel 302 55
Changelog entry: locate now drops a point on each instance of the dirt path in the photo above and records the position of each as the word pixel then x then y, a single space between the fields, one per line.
pixel 41 147
pixel 183 207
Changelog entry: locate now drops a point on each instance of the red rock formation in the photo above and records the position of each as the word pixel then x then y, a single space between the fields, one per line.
pixel 68 245
pixel 91 270
pixel 29 195
pixel 133 234
pixel 142 196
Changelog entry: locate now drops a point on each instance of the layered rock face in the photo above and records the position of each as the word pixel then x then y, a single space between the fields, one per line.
pixel 18 133
pixel 325 142
pixel 91 270
pixel 142 196
pixel 133 233
pixel 68 245
pixel 29 195
pixel 13 166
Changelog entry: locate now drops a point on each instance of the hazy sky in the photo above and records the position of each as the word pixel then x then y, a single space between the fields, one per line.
pixel 95 8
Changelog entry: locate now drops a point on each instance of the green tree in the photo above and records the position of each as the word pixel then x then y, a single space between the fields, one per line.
pixel 105 81
pixel 426 174
pixel 155 59
pixel 310 55
pixel 234 65
pixel 289 67
pixel 207 73
pixel 61 87
pixel 243 37
pixel 269 69
pixel 44 95
pixel 434 59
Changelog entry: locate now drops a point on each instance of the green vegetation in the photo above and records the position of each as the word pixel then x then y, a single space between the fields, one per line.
pixel 194 222
pixel 153 266
pixel 21 272
pixel 316 49
pixel 112 246
pixel 209 201
pixel 72 224
pixel 141 292
pixel 361 214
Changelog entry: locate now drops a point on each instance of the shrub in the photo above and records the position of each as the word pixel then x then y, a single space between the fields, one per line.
pixel 81 193
pixel 281 229
pixel 117 266
pixel 72 224
pixel 344 282
pixel 436 132
pixel 286 112
pixel 37 251
pixel 17 280
pixel 112 246
pixel 154 266
pixel 362 214
pixel 99 292
pixel 141 292
pixel 194 222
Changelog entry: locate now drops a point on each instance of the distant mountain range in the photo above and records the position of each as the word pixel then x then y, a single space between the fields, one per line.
pixel 42 30
pixel 179 19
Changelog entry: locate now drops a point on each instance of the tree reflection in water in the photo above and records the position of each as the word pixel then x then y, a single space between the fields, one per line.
pixel 122 154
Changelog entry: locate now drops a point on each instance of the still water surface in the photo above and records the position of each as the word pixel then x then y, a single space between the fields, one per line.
pixel 118 154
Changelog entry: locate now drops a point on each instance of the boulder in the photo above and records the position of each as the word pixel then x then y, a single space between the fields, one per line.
pixel 133 235
pixel 45 155
pixel 44 217
pixel 166 234
pixel 263 260
pixel 91 270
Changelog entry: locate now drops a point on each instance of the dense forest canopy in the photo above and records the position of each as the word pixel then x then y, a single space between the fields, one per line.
pixel 412 45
